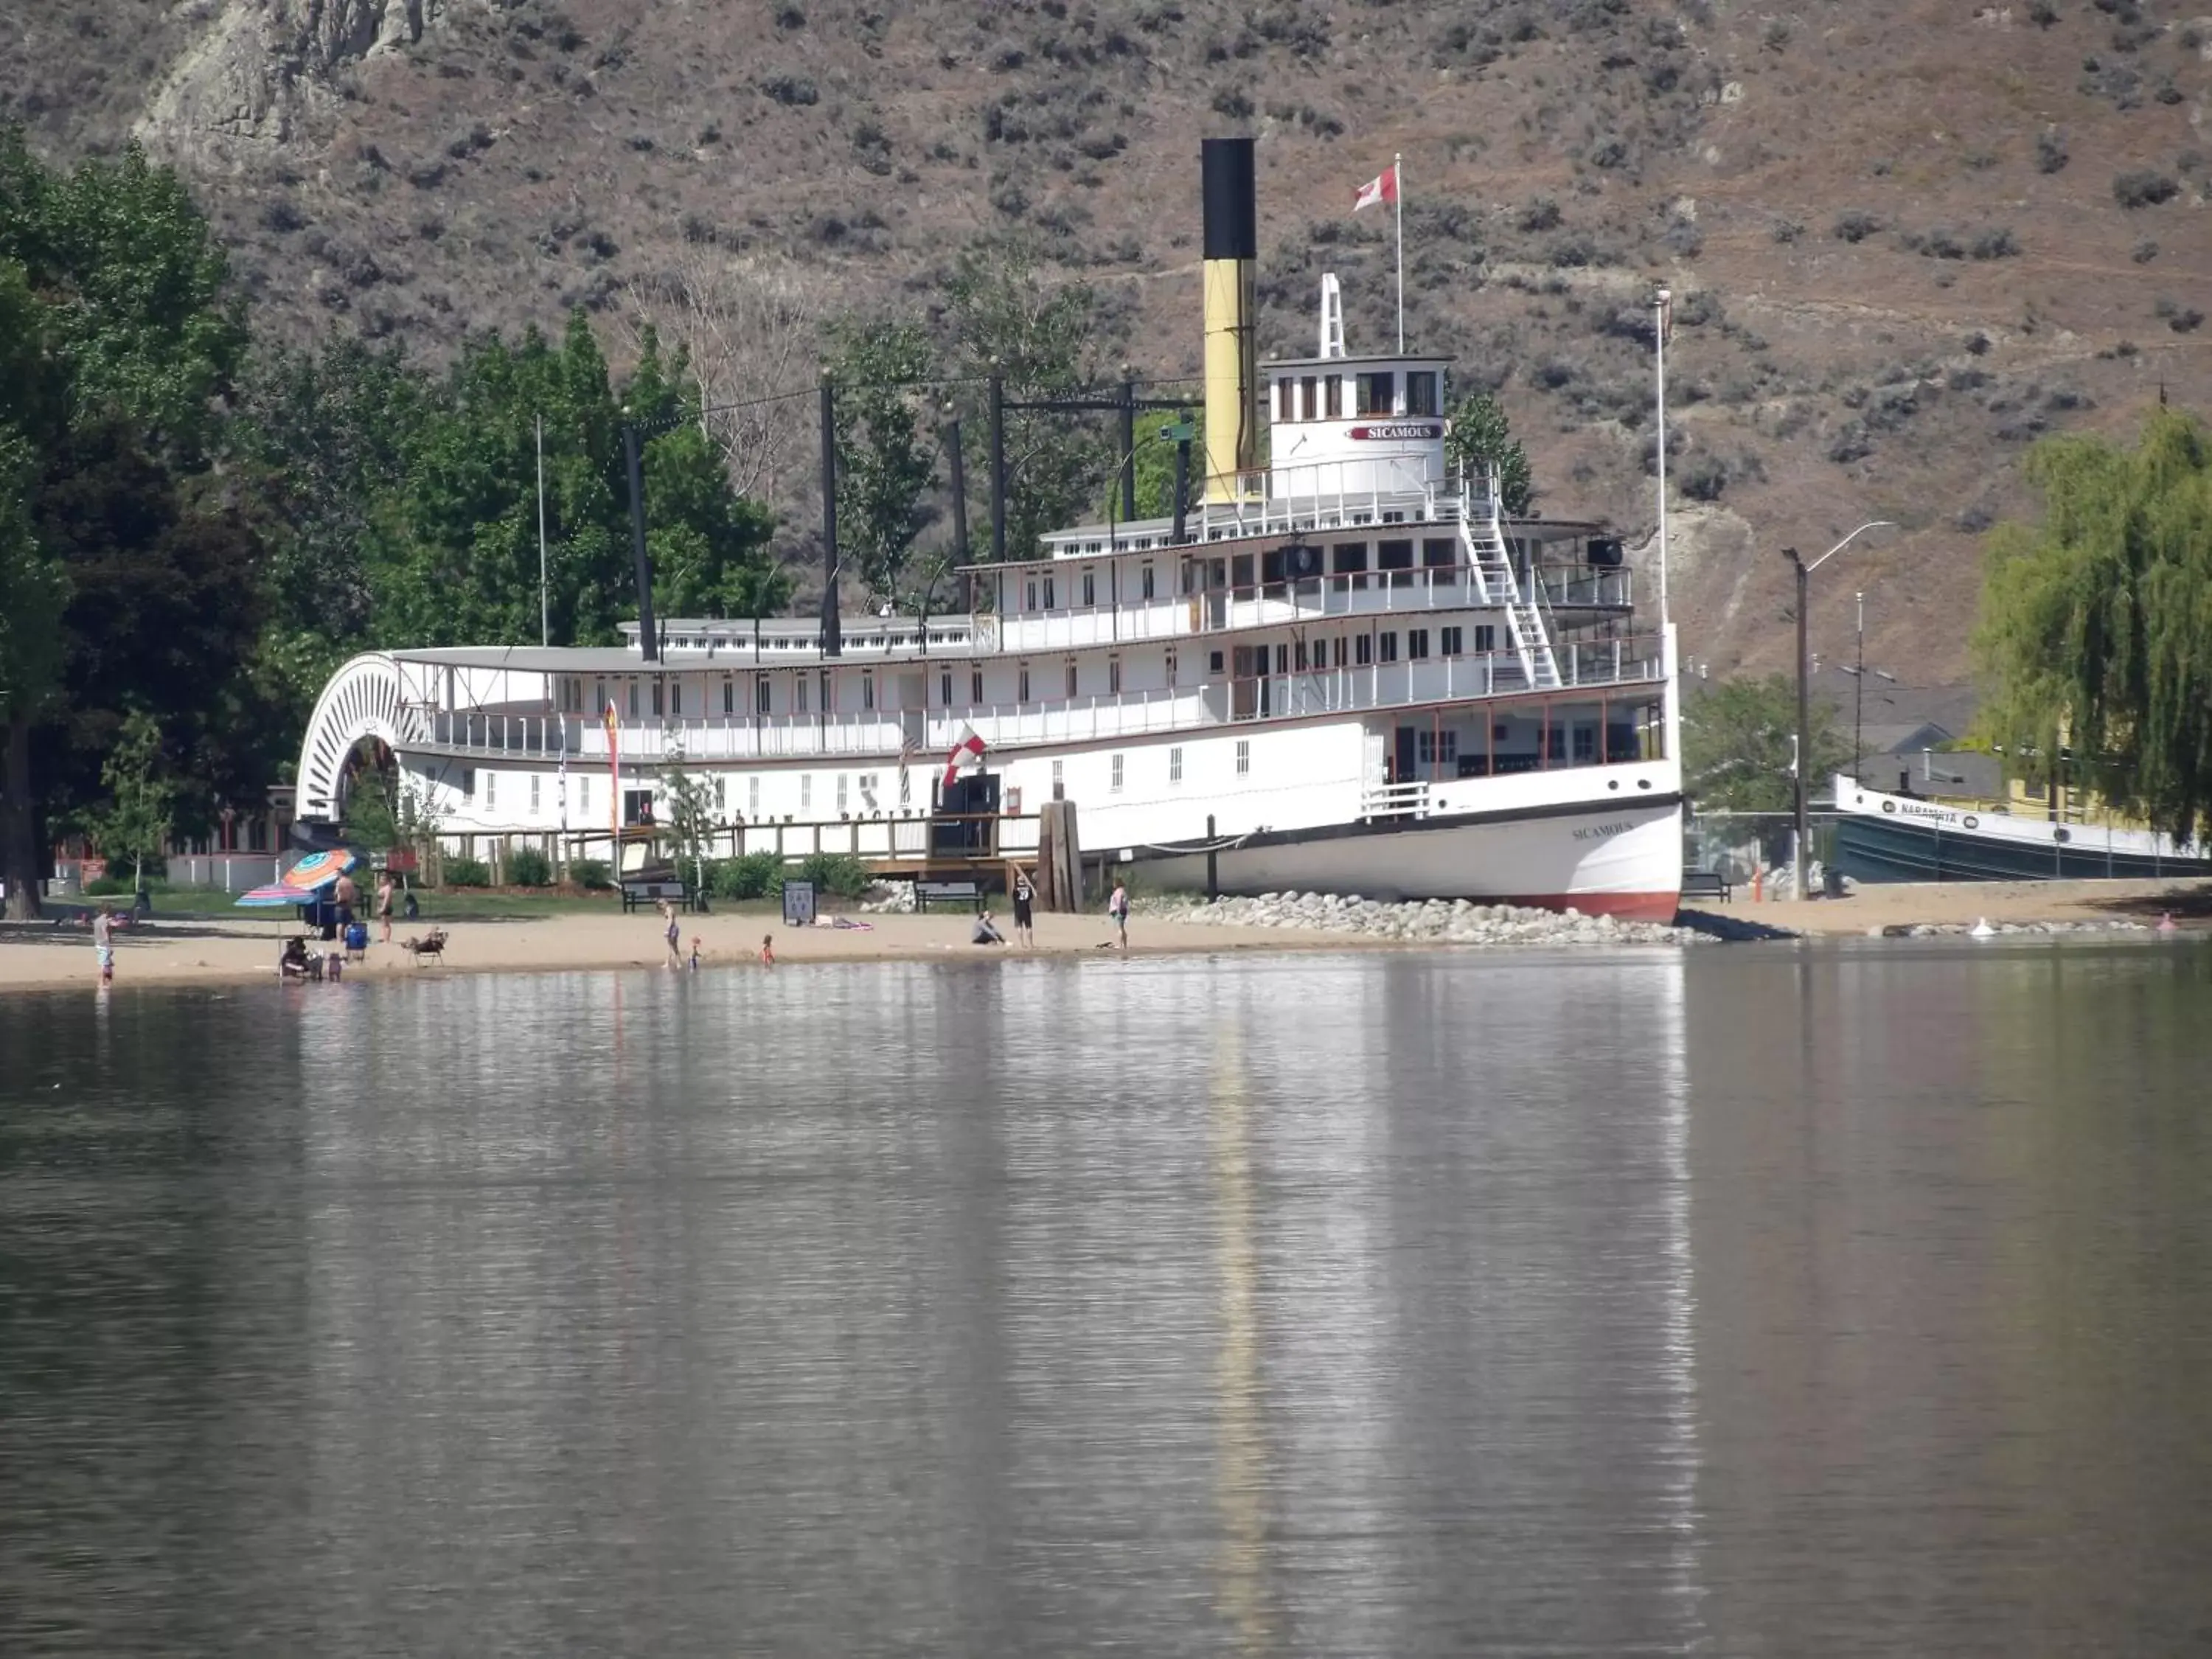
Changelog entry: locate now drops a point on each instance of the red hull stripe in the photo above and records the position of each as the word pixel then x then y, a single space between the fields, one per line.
pixel 1629 907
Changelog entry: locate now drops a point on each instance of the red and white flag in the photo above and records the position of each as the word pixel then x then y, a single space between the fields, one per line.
pixel 1383 187
pixel 966 753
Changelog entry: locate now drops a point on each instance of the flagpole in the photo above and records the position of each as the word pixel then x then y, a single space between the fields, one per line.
pixel 1659 321
pixel 1398 206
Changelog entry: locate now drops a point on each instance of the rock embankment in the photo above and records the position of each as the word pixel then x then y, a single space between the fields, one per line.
pixel 1445 922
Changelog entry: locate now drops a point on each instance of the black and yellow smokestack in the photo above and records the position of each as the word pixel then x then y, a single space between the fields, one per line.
pixel 1232 244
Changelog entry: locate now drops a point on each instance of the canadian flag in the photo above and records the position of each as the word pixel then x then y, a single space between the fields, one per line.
pixel 969 751
pixel 1383 187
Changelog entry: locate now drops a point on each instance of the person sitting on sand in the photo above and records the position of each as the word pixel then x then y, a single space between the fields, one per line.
pixel 985 933
pixel 294 963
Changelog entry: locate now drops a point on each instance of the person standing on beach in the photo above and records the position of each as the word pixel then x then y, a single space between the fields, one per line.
pixel 1025 898
pixel 672 931
pixel 346 895
pixel 103 942
pixel 384 903
pixel 767 949
pixel 1117 907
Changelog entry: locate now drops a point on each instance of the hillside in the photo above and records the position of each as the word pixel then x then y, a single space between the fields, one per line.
pixel 1907 236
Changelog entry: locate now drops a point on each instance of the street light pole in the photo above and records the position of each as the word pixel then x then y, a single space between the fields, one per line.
pixel 1798 764
pixel 1858 696
pixel 1804 748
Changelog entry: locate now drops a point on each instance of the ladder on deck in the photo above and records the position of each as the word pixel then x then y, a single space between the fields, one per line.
pixel 1484 547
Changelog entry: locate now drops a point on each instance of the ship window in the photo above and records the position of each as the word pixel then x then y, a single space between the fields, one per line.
pixel 799 693
pixel 1090 589
pixel 633 699
pixel 1438 551
pixel 659 694
pixel 1022 693
pixel 944 687
pixel 1452 637
pixel 1389 646
pixel 1393 555
pixel 752 796
pixel 1348 556
pixel 676 696
pixel 729 697
pixel 1282 401
pixel 1071 679
pixel 1050 601
pixel 1363 650
pixel 1119 772
pixel 1171 666
pixel 1378 392
pixel 1438 748
pixel 1243 757
pixel 975 685
pixel 1144 574
pixel 1240 570
pixel 1485 637
pixel 1340 649
pixel 806 792
pixel 1214 662
pixel 829 694
pixel 533 795
pixel 761 693
pixel 1332 391
pixel 1421 392
pixel 840 794
pixel 584 794
pixel 1555 743
pixel 1417 644
pixel 1113 677
pixel 1585 744
pixel 1282 658
pixel 1298 655
pixel 1309 398
pixel 1031 604
pixel 867 689
pixel 1175 765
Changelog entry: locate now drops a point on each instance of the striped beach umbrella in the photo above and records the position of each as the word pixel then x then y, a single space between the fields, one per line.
pixel 271 896
pixel 316 871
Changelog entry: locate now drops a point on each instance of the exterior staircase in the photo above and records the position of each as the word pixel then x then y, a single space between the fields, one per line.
pixel 1483 540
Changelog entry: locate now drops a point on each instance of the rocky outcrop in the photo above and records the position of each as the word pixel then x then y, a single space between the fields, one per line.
pixel 261 70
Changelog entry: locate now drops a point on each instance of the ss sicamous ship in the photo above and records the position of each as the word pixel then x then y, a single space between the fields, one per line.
pixel 1345 668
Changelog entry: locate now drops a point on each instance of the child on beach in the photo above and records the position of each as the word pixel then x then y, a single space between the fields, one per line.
pixel 103 942
pixel 767 949
pixel 673 932
pixel 694 953
pixel 1118 907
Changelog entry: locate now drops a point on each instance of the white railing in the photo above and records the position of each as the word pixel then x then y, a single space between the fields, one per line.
pixel 1595 664
pixel 1387 801
pixel 1328 495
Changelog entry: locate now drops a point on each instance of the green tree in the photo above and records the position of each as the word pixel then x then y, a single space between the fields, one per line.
pixel 690 814
pixel 118 344
pixel 372 816
pixel 1737 740
pixel 2094 620
pixel 886 460
pixel 1002 315
pixel 135 821
pixel 1479 439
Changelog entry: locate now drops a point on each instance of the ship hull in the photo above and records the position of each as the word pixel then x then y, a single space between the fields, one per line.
pixel 1602 858
pixel 1894 838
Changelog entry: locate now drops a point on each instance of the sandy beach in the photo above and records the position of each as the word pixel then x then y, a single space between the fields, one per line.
pixel 1875 908
pixel 235 949
pixel 185 951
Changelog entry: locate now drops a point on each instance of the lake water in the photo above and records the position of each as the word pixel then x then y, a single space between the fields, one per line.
pixel 1845 1300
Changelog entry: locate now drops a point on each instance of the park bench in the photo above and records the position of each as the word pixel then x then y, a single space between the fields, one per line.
pixel 651 890
pixel 968 892
pixel 1706 883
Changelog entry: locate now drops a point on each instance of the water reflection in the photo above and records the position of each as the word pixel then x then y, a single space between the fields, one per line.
pixel 1736 1302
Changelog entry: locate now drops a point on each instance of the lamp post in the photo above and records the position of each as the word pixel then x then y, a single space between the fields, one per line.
pixel 1804 751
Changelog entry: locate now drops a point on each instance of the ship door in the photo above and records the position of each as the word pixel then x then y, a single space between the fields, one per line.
pixel 1246 663
pixel 1216 594
pixel 1407 764
pixel 913 696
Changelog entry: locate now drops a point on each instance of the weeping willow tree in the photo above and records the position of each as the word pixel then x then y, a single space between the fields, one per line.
pixel 2095 633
